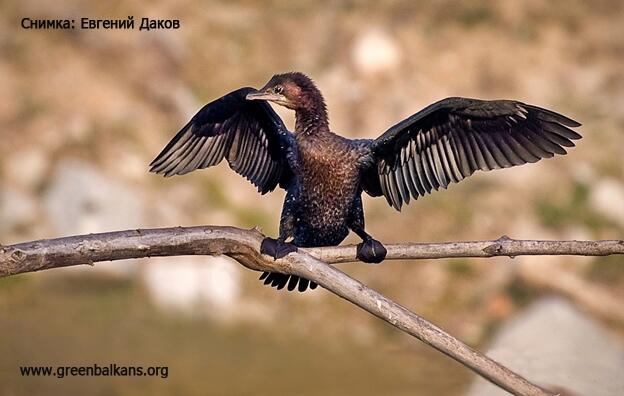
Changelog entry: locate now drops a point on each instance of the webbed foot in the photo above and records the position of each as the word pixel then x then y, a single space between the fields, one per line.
pixel 276 248
pixel 371 251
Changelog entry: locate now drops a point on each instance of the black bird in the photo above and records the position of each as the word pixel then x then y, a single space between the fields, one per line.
pixel 324 174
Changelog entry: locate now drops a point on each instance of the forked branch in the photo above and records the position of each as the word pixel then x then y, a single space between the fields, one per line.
pixel 243 246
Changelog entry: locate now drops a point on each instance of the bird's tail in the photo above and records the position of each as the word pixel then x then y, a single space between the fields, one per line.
pixel 279 281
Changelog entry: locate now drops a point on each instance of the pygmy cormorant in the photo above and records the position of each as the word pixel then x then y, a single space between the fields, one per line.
pixel 324 174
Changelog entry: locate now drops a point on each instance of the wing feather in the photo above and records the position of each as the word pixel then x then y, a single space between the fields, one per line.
pixel 451 139
pixel 249 134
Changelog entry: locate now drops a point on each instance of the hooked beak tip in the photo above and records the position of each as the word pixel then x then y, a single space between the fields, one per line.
pixel 263 96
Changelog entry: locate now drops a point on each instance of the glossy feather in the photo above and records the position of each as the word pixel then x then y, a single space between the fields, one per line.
pixel 455 137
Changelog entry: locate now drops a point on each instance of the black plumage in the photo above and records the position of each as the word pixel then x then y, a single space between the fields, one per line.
pixel 451 139
pixel 247 133
pixel 324 174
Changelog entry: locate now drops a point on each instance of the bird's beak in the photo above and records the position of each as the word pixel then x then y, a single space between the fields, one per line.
pixel 273 97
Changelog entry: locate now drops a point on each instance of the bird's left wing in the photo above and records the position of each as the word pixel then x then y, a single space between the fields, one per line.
pixel 249 134
pixel 451 139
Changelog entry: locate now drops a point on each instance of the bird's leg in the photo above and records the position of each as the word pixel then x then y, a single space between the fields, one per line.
pixel 278 248
pixel 370 250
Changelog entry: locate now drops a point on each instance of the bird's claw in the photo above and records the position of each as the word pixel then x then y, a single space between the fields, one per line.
pixel 371 251
pixel 276 248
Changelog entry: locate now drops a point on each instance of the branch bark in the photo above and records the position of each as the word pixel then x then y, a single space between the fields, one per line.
pixel 504 246
pixel 243 246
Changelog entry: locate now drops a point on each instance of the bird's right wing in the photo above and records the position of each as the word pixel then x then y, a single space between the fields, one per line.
pixel 249 134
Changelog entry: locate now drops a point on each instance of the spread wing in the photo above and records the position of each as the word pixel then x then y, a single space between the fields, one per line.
pixel 451 139
pixel 249 134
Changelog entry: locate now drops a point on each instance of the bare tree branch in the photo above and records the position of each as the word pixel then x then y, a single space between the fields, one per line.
pixel 504 246
pixel 215 240
pixel 243 246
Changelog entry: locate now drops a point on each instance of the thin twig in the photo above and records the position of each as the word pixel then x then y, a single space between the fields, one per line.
pixel 504 246
pixel 243 246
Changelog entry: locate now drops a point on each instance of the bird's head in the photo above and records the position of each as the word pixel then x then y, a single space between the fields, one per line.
pixel 293 90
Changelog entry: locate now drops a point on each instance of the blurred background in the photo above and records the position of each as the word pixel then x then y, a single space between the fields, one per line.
pixel 83 112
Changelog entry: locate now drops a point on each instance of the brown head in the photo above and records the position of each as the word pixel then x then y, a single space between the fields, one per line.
pixel 296 91
pixel 293 90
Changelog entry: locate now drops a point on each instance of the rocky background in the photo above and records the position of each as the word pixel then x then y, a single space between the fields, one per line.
pixel 83 112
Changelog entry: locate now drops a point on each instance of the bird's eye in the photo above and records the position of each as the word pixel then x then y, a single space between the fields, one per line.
pixel 279 89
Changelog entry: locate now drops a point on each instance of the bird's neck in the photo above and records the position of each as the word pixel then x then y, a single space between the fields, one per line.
pixel 311 118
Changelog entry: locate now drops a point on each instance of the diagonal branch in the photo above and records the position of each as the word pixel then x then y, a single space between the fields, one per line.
pixel 243 246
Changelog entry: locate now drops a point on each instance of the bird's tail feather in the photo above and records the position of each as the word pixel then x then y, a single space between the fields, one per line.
pixel 279 281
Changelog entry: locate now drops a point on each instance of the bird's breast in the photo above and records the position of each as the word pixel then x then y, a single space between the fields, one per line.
pixel 328 181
